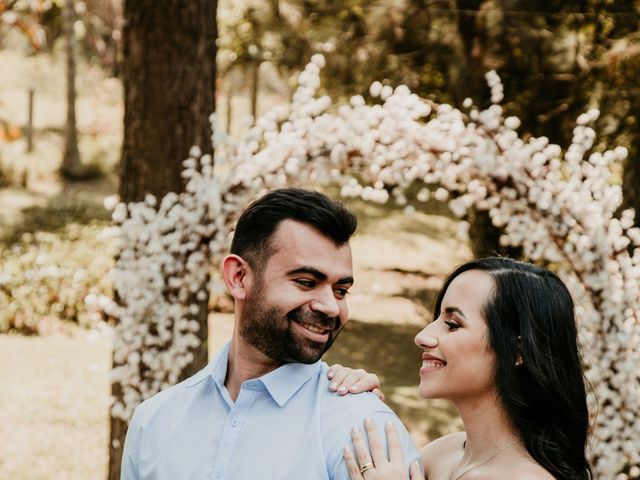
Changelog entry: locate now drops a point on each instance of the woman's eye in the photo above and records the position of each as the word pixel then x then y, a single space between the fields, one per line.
pixel 452 325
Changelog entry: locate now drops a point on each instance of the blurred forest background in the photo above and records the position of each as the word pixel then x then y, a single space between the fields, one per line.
pixel 100 98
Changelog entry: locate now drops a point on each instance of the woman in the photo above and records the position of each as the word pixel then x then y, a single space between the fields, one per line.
pixel 502 347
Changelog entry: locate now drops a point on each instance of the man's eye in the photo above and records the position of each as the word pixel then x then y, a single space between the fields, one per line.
pixel 306 283
pixel 452 325
pixel 341 292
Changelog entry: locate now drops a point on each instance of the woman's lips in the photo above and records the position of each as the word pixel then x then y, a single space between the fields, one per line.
pixel 431 364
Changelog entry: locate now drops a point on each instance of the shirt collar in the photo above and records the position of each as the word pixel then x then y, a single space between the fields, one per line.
pixel 285 381
pixel 217 369
pixel 281 383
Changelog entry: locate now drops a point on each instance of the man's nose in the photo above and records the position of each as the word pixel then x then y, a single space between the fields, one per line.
pixel 325 302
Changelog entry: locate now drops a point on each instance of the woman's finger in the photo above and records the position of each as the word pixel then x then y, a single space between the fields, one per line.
pixel 414 472
pixel 378 393
pixel 393 442
pixel 352 465
pixel 332 370
pixel 363 381
pixel 375 444
pixel 338 377
pixel 354 379
pixel 362 451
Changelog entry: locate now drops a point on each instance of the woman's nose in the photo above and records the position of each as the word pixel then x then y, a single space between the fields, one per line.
pixel 426 339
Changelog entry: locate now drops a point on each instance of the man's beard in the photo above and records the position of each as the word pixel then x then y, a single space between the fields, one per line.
pixel 268 329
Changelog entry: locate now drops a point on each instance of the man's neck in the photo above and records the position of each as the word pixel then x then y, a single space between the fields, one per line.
pixel 244 363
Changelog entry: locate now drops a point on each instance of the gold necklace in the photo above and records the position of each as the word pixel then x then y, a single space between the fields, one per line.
pixel 483 462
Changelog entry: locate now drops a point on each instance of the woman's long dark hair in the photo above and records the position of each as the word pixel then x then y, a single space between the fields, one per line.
pixel 530 316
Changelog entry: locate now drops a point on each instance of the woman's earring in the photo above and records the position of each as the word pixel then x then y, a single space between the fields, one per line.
pixel 519 359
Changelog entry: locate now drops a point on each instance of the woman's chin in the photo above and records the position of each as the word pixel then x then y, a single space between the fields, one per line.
pixel 426 392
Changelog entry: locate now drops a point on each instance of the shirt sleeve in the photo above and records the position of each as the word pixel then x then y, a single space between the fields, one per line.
pixel 129 466
pixel 339 470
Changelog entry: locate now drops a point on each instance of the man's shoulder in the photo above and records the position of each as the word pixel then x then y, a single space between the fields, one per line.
pixel 170 397
pixel 359 405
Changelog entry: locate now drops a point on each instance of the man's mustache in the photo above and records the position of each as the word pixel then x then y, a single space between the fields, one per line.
pixel 314 318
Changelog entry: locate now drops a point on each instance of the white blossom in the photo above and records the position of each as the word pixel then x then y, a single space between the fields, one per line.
pixel 560 206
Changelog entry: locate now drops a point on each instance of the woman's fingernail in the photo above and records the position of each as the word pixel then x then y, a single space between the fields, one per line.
pixel 330 375
pixel 342 389
pixel 333 386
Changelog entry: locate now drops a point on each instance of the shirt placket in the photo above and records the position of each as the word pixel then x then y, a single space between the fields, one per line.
pixel 232 429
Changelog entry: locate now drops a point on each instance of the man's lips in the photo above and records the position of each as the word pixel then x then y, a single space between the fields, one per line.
pixel 314 323
pixel 313 328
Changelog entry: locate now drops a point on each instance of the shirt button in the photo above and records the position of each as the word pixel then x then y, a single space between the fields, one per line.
pixel 218 474
pixel 235 422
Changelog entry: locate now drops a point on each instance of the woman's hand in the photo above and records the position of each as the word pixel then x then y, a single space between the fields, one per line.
pixel 374 464
pixel 347 380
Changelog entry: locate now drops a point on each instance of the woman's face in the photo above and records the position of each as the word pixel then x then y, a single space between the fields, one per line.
pixel 457 362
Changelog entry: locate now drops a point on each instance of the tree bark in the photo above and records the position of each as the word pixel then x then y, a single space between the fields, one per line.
pixel 484 237
pixel 255 84
pixel 71 167
pixel 631 180
pixel 169 92
pixel 169 81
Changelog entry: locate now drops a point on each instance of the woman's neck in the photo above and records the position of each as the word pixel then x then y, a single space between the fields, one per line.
pixel 487 427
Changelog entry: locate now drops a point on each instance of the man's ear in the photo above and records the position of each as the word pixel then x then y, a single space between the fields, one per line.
pixel 237 276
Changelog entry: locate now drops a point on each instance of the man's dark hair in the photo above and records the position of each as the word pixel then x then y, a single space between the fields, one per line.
pixel 257 224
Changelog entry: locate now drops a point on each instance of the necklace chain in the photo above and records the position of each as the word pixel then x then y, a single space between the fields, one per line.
pixel 468 469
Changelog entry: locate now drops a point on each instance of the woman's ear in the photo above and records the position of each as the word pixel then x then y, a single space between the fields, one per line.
pixel 236 274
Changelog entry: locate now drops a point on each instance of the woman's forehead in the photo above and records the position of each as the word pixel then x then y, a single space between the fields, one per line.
pixel 470 289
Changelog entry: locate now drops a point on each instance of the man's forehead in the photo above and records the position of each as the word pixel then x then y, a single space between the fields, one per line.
pixel 297 245
pixel 291 232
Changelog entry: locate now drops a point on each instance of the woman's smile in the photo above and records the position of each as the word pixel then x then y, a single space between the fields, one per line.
pixel 431 364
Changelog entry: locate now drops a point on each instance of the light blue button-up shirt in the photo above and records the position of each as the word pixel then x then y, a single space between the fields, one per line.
pixel 283 425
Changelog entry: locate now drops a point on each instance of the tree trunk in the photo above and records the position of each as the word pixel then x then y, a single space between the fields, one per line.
pixel 169 80
pixel 484 237
pixel 255 84
pixel 71 167
pixel 169 92
pixel 631 180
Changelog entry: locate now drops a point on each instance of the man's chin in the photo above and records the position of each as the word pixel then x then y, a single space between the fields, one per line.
pixel 308 356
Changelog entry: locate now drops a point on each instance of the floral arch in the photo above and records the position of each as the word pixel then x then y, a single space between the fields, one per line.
pixel 560 207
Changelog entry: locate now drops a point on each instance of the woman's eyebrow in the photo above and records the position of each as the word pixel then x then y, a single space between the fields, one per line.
pixel 455 310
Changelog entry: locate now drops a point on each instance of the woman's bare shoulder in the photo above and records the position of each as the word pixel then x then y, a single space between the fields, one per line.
pixel 442 446
pixel 529 470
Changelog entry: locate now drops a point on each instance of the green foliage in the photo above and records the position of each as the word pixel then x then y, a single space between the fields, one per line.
pixel 46 277
pixel 556 59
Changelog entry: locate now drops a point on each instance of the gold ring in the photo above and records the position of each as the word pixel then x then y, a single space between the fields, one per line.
pixel 366 466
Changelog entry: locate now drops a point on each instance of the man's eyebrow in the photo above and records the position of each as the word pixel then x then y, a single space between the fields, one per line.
pixel 455 310
pixel 319 275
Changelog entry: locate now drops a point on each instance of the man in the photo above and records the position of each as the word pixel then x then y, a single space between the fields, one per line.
pixel 262 409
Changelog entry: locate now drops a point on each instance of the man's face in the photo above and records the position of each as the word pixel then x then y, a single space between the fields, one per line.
pixel 296 306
